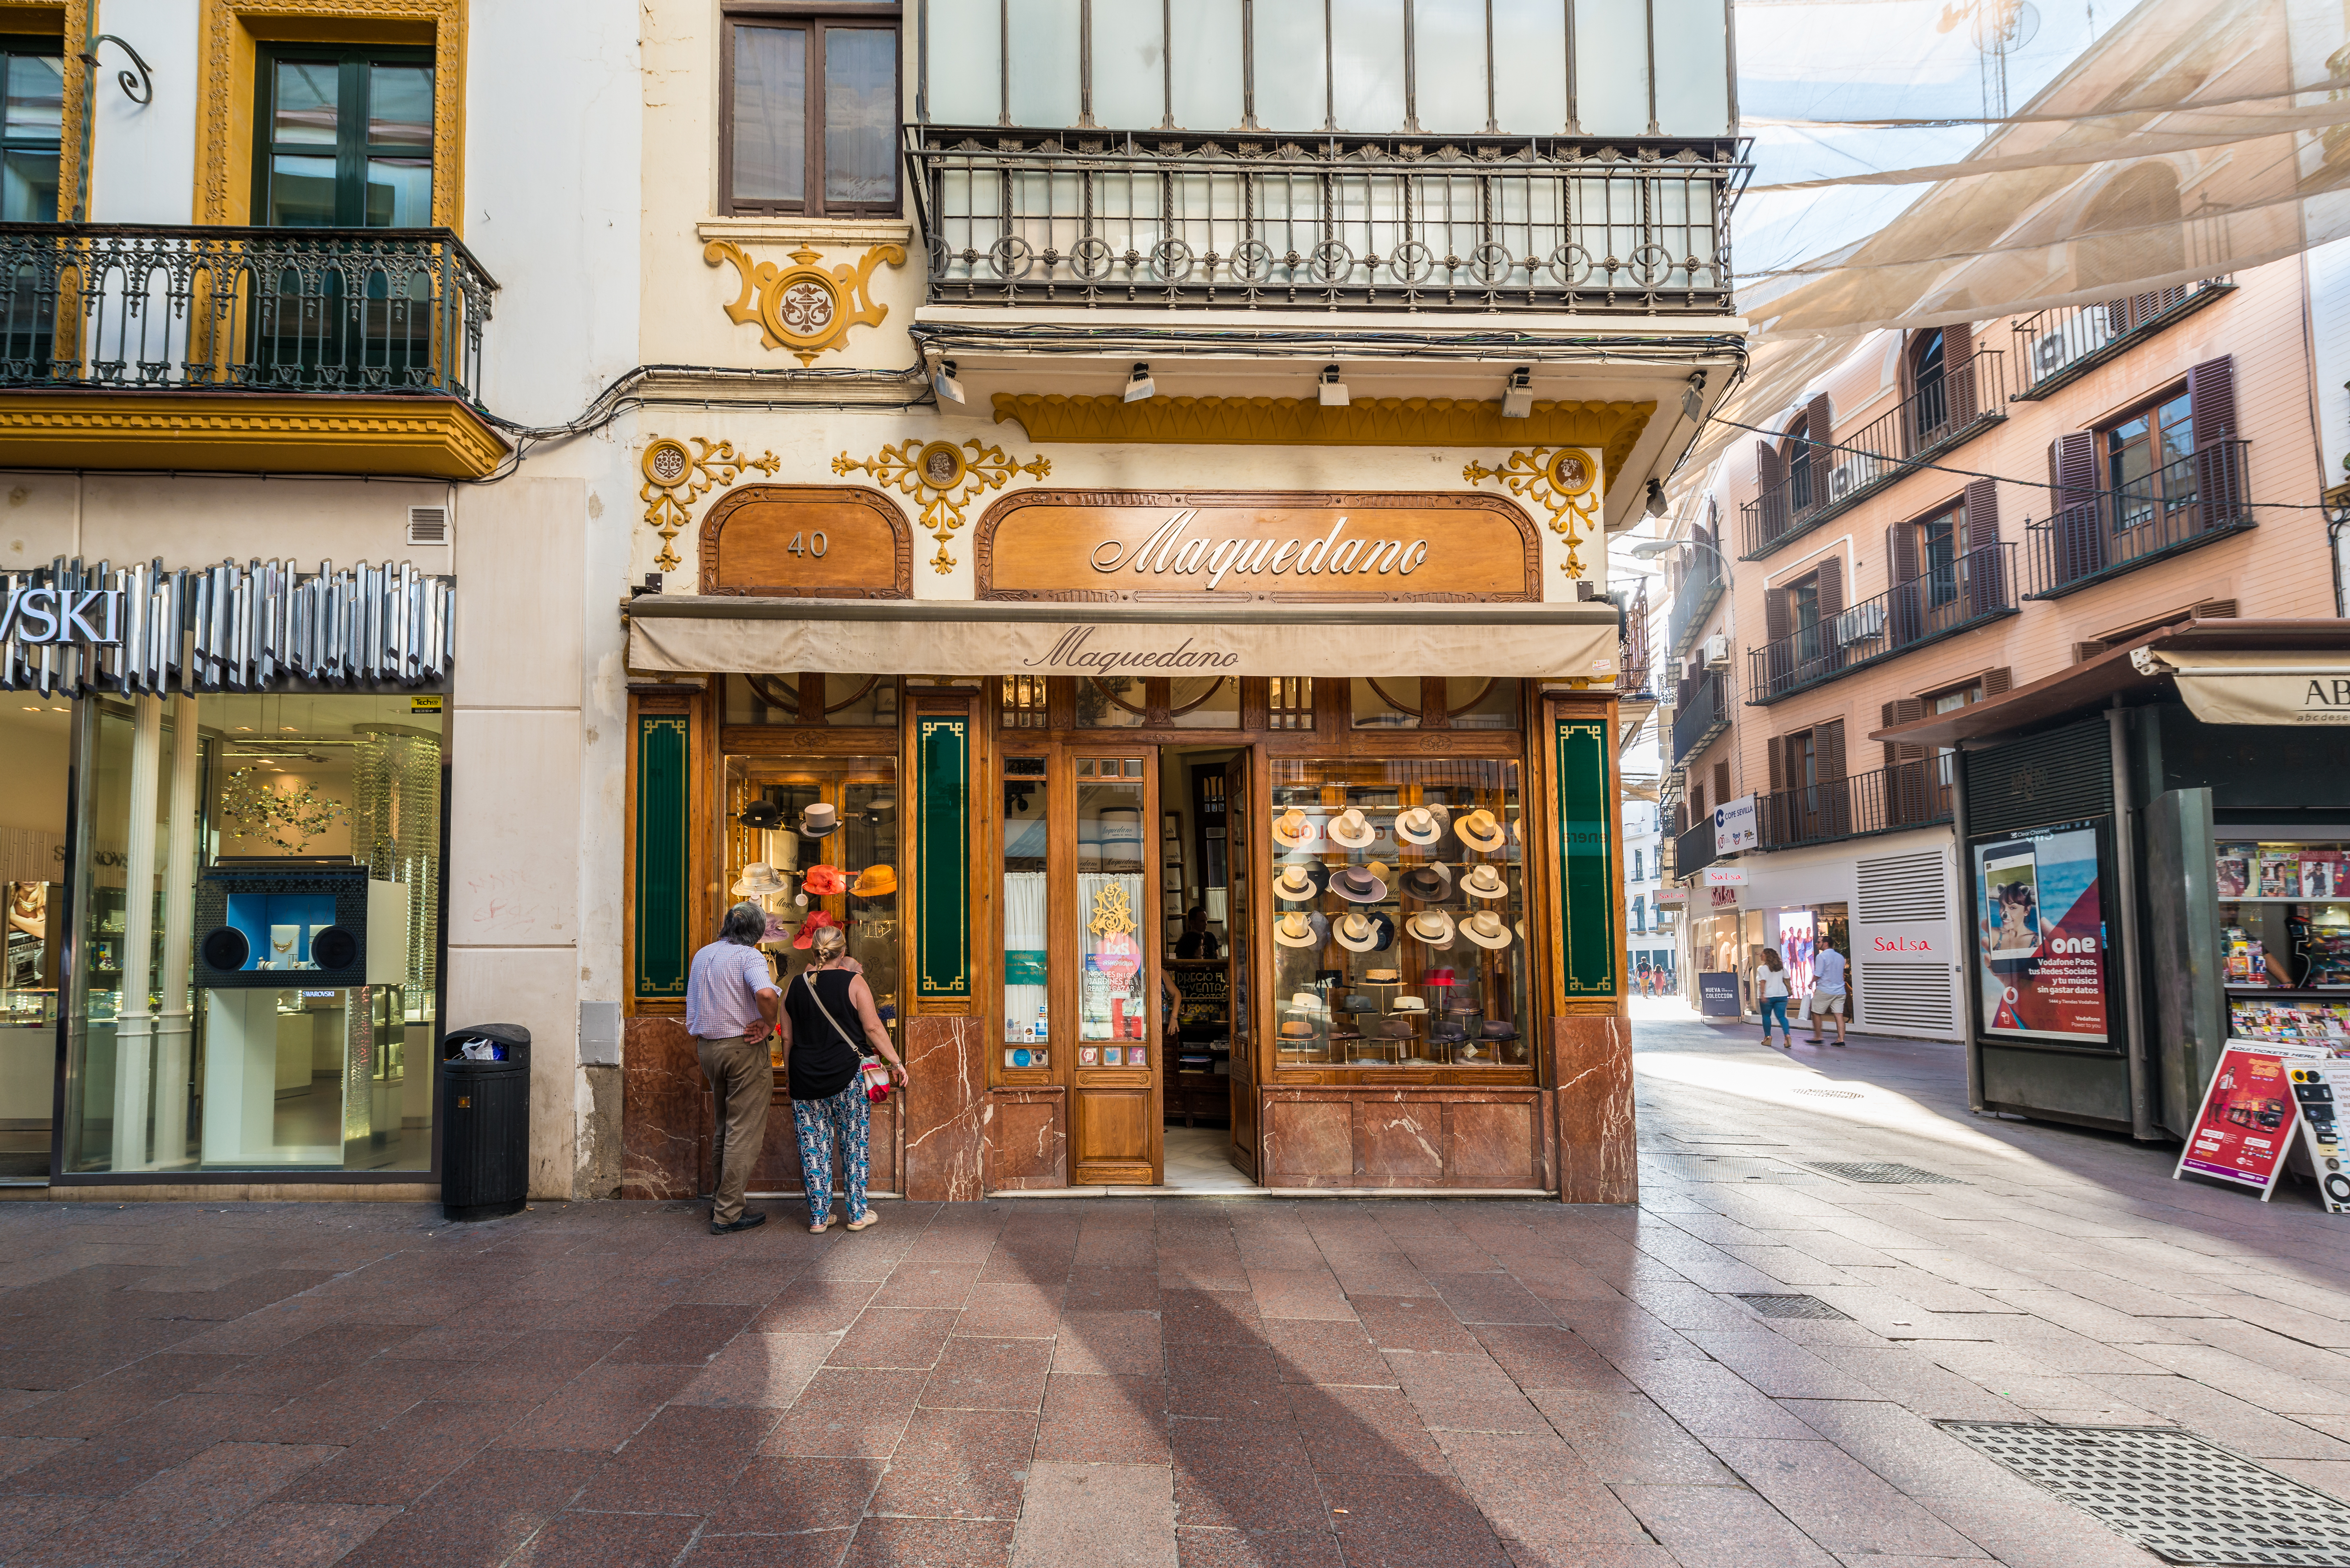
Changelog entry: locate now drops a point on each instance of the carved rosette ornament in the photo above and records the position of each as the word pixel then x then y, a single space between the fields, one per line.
pixel 943 479
pixel 1562 480
pixel 802 307
pixel 676 478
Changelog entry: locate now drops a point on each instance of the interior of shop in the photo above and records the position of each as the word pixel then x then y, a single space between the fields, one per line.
pixel 34 735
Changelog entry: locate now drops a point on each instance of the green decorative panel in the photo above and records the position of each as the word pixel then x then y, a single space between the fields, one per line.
pixel 942 859
pixel 1588 875
pixel 662 952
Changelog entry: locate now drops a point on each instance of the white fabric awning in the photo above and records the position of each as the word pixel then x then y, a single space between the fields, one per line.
pixel 713 634
pixel 2238 686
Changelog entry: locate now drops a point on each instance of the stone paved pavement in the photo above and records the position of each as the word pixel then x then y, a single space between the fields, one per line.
pixel 1114 1382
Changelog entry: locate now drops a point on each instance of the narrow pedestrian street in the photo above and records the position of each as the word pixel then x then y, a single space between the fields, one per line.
pixel 1210 1382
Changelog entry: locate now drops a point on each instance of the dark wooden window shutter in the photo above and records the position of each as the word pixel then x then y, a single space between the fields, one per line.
pixel 2218 470
pixel 1778 764
pixel 1767 470
pixel 1958 373
pixel 1901 579
pixel 1722 781
pixel 2073 473
pixel 1697 804
pixel 1827 750
pixel 1986 568
pixel 1818 427
pixel 1778 628
pixel 1831 586
pixel 1901 711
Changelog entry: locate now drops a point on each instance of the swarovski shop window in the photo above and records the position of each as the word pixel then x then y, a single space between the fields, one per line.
pixel 254 979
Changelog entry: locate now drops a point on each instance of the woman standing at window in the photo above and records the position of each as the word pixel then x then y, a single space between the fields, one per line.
pixel 828 1105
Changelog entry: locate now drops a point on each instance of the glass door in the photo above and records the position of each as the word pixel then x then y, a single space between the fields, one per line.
pixel 1239 909
pixel 1108 926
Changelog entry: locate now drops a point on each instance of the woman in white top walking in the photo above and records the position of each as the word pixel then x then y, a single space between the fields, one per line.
pixel 1770 979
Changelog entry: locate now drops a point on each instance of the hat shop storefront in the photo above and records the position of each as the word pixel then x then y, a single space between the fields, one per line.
pixel 1283 818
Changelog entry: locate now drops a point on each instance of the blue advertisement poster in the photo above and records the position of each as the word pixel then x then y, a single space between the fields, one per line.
pixel 2040 936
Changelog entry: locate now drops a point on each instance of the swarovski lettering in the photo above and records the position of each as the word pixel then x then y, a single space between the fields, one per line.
pixel 36 617
pixel 1168 552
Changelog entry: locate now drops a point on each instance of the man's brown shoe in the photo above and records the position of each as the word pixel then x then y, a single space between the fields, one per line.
pixel 752 1219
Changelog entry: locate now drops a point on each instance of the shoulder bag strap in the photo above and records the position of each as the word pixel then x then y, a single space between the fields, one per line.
pixel 856 1042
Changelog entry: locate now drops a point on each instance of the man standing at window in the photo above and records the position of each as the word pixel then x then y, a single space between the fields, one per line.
pixel 730 1010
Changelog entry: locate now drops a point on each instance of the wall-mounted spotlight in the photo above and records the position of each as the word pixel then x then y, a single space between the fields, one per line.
pixel 1518 397
pixel 1332 391
pixel 1140 385
pixel 1655 498
pixel 944 384
pixel 1693 400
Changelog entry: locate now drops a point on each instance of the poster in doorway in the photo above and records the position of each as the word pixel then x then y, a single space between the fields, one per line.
pixel 2246 1123
pixel 2040 950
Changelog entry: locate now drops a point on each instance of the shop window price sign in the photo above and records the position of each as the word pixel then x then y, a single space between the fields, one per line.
pixel 2245 1126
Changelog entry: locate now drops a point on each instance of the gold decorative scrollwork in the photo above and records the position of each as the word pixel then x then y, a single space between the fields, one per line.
pixel 1113 914
pixel 802 307
pixel 943 479
pixel 1562 480
pixel 676 478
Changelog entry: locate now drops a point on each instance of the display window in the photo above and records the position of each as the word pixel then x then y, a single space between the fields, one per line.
pixel 2285 937
pixel 1399 912
pixel 35 734
pixel 254 979
pixel 812 842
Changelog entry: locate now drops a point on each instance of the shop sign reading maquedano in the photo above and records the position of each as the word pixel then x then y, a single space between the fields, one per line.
pixel 1097 545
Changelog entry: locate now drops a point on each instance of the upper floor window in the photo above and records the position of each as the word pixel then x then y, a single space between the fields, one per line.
pixel 28 129
pixel 344 138
pixel 810 115
pixel 1637 875
pixel 2140 452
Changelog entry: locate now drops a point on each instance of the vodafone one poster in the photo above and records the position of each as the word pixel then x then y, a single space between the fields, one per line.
pixel 2040 951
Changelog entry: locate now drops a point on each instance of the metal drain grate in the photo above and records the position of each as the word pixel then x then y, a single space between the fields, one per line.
pixel 1832 1094
pixel 1790 1306
pixel 1881 1171
pixel 1722 1167
pixel 2182 1498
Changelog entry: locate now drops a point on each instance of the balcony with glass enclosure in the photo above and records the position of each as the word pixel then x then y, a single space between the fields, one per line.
pixel 1396 155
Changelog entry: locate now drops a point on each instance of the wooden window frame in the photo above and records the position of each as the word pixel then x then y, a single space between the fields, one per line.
pixel 351 147
pixel 815 19
pixel 2146 408
pixel 43 47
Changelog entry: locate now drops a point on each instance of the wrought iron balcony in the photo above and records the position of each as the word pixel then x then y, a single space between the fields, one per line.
pixel 1702 713
pixel 2056 347
pixel 2200 498
pixel 1694 849
pixel 1697 588
pixel 1948 598
pixel 146 308
pixel 1823 480
pixel 1634 657
pixel 1393 223
pixel 1906 795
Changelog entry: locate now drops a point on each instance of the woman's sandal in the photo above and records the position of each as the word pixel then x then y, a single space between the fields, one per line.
pixel 816 1227
pixel 870 1219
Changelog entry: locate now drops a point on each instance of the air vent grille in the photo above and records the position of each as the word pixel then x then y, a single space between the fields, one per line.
pixel 428 524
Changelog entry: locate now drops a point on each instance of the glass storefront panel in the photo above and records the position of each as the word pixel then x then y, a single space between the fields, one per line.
pixel 849 699
pixel 36 734
pixel 1398 906
pixel 815 842
pixel 255 964
pixel 1112 912
pixel 1027 928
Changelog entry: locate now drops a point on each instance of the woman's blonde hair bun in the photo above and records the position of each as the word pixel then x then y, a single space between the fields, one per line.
pixel 828 943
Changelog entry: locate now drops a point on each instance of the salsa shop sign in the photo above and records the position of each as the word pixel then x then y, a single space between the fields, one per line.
pixel 1288 546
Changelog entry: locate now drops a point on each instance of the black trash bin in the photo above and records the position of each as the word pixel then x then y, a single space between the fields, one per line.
pixel 485 1124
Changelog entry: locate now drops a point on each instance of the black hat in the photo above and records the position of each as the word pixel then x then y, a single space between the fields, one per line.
pixel 761 814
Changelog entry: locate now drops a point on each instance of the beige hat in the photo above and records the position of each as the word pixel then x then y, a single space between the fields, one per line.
pixel 1480 830
pixel 1307 1002
pixel 1352 828
pixel 759 880
pixel 1294 884
pixel 1419 824
pixel 1294 827
pixel 1356 932
pixel 1486 929
pixel 1294 929
pixel 1410 1005
pixel 1433 927
pixel 1484 882
pixel 1379 977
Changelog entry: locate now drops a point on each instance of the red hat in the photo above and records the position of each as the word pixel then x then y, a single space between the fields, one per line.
pixel 816 922
pixel 823 881
pixel 1438 977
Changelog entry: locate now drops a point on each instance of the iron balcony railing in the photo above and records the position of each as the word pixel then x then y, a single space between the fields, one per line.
pixel 1409 222
pixel 2194 501
pixel 1948 597
pixel 2054 347
pixel 1697 588
pixel 1906 795
pixel 1693 850
pixel 1822 481
pixel 1702 712
pixel 1635 659
pixel 144 308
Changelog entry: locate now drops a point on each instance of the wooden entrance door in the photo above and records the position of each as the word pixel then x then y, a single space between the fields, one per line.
pixel 1105 889
pixel 1240 830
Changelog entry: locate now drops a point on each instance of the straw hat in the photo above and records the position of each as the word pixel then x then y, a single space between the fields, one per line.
pixel 1297 930
pixel 1359 884
pixel 1421 824
pixel 1379 977
pixel 1294 827
pixel 1356 932
pixel 1484 882
pixel 1351 828
pixel 875 882
pixel 1297 1029
pixel 1433 927
pixel 1307 1002
pixel 1410 1005
pixel 1431 883
pixel 1487 929
pixel 1480 830
pixel 1294 884
pixel 818 820
pixel 759 881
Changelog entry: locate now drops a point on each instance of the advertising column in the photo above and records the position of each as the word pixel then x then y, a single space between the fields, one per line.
pixel 2040 957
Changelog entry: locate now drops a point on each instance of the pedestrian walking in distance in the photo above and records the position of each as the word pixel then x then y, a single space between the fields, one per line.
pixel 825 1055
pixel 730 1010
pixel 1770 979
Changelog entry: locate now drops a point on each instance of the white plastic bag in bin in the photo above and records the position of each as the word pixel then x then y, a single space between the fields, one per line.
pixel 479 1051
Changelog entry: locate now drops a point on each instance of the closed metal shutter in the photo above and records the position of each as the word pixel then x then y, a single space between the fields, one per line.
pixel 1903 888
pixel 1914 998
pixel 2065 775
